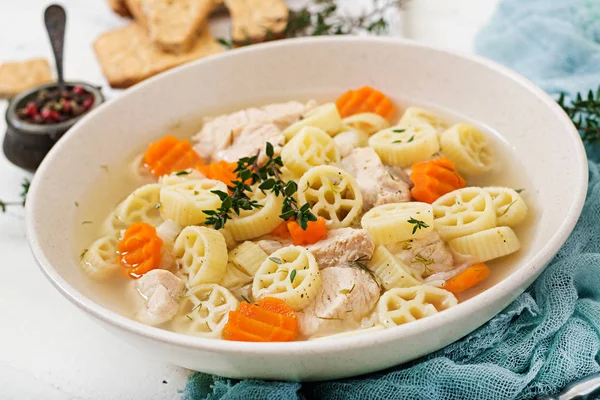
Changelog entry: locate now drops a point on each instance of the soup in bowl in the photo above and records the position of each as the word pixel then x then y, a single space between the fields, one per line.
pixel 226 217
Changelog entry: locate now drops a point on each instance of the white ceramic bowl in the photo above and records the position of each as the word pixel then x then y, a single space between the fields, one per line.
pixel 543 138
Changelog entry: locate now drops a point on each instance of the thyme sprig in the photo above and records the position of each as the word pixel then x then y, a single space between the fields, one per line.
pixel 268 177
pixel 585 114
pixel 24 190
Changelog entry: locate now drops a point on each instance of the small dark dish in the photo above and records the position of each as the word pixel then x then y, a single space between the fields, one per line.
pixel 31 135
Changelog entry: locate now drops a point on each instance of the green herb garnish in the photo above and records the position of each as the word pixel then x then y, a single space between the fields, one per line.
pixel 245 299
pixel 24 190
pixel 418 224
pixel 292 276
pixel 86 222
pixel 276 260
pixel 519 190
pixel 411 139
pixel 348 291
pixel 83 253
pixel 585 114
pixel 180 173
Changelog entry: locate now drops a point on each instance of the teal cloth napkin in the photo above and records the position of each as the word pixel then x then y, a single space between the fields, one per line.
pixel 550 335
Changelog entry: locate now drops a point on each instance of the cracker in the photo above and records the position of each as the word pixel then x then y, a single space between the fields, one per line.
pixel 173 25
pixel 119 7
pixel 127 56
pixel 16 77
pixel 136 9
pixel 255 21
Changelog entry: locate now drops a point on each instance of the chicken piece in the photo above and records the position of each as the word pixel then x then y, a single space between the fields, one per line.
pixel 270 244
pixel 347 296
pixel 342 246
pixel 160 290
pixel 349 140
pixel 220 132
pixel 252 138
pixel 429 252
pixel 377 185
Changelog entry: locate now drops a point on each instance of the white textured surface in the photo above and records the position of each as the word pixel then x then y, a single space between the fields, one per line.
pixel 48 348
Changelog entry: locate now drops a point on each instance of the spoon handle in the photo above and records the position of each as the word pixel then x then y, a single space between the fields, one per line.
pixel 55 19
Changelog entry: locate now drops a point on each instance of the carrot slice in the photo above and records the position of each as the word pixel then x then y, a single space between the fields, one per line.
pixel 221 171
pixel 170 154
pixel 139 250
pixel 281 231
pixel 365 99
pixel 271 320
pixel 315 231
pixel 434 178
pixel 468 278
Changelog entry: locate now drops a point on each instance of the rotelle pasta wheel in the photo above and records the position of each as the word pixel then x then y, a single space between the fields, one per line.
pixel 184 202
pixel 253 223
pixel 367 122
pixel 403 146
pixel 487 245
pixel 396 222
pixel 463 212
pixel 203 311
pixel 100 260
pixel 332 194
pixel 140 206
pixel 325 117
pixel 201 254
pixel 416 115
pixel 290 274
pixel 401 305
pixel 309 148
pixel 511 209
pixel 467 147
pixel 390 271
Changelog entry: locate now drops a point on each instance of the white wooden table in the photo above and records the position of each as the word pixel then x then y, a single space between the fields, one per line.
pixel 48 348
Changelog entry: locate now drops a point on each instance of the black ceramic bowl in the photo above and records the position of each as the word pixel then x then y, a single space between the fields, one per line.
pixel 26 143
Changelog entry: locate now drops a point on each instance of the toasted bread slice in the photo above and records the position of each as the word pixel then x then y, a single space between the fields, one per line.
pixel 127 56
pixel 16 77
pixel 255 21
pixel 173 25
pixel 119 7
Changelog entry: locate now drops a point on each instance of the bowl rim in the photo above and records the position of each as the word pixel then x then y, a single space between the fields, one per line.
pixel 488 297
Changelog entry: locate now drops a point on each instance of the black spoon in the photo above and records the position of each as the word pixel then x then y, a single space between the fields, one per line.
pixel 55 19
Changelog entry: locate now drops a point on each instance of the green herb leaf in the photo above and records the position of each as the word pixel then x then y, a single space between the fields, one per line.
pixel 398 130
pixel 411 139
pixel 180 173
pixel 519 190
pixel 245 299
pixel 348 291
pixel 276 260
pixel 418 224
pixel 86 222
pixel 292 275
pixel 83 253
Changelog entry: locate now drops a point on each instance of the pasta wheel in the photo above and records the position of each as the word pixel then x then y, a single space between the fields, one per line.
pixel 467 147
pixel 234 278
pixel 100 261
pixel 404 146
pixel 462 212
pixel 141 206
pixel 184 202
pixel 202 255
pixel 510 207
pixel 290 274
pixel 229 240
pixel 112 225
pixel 248 257
pixel 332 194
pixel 390 271
pixel 368 122
pixel 401 305
pixel 309 148
pixel 180 177
pixel 487 245
pixel 325 117
pixel 258 221
pixel 416 115
pixel 203 311
pixel 396 222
